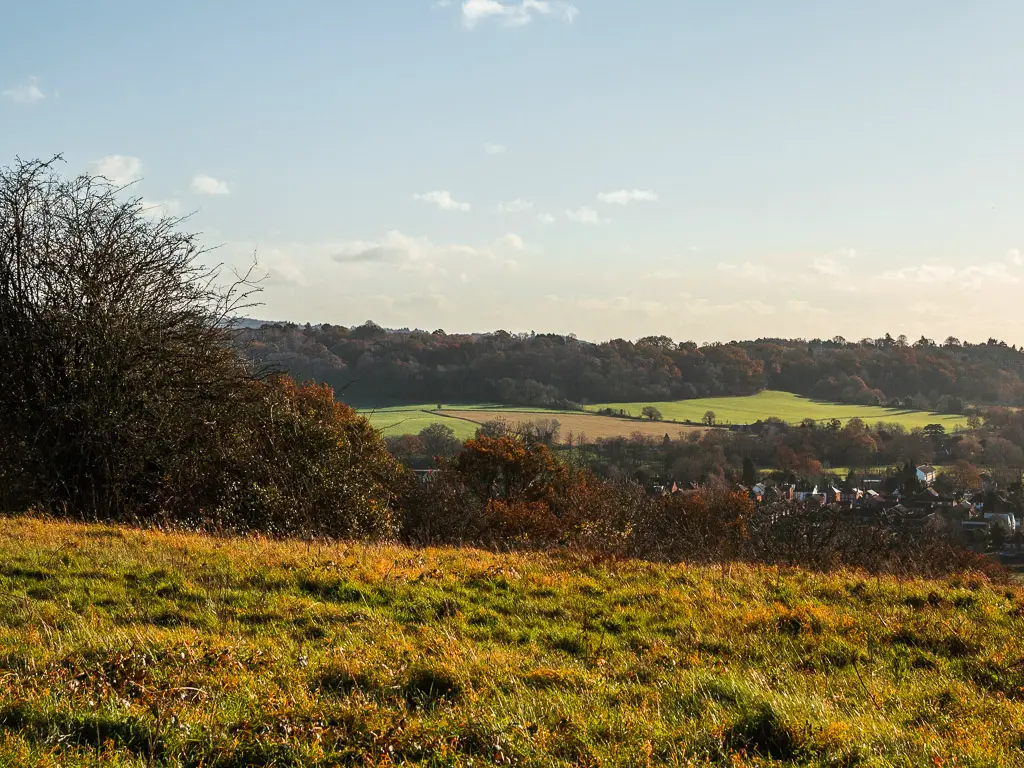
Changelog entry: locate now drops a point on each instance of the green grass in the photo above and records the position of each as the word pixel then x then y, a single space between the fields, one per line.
pixel 127 648
pixel 411 419
pixel 788 407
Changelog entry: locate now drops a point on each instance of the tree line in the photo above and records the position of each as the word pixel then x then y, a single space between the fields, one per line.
pixel 370 365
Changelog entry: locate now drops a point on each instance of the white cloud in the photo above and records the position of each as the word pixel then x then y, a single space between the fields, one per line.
pixel 408 253
pixel 801 307
pixel 829 266
pixel 282 269
pixel 976 276
pixel 443 199
pixel 584 215
pixel 203 184
pixel 628 304
pixel 119 170
pixel 26 93
pixel 1015 257
pixel 511 240
pixel 515 206
pixel 747 270
pixel 545 218
pixel 702 307
pixel 516 14
pixel 627 196
pixel 494 149
pixel 412 302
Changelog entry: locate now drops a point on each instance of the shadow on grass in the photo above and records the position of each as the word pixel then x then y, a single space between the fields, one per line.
pixel 80 729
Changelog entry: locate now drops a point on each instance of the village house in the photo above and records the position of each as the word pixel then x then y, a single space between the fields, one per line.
pixel 926 474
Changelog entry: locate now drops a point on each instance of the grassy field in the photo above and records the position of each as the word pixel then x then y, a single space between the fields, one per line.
pixel 788 407
pixel 410 419
pixel 465 419
pixel 128 648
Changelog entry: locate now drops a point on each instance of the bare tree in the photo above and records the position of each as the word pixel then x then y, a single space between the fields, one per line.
pixel 114 338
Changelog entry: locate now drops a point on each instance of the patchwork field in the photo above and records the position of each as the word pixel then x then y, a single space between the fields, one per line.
pixel 463 419
pixel 788 407
pixel 121 648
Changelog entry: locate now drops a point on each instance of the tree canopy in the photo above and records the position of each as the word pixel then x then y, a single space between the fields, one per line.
pixel 370 365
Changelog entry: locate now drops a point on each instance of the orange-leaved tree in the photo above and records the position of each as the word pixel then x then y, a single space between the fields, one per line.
pixel 519 481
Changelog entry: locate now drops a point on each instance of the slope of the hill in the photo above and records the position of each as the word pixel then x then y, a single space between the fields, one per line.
pixel 128 648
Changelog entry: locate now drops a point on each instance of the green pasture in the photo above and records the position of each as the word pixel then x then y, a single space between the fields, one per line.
pixel 788 407
pixel 411 419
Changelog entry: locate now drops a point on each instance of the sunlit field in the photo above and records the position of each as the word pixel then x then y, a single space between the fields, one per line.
pixel 127 648
pixel 788 407
pixel 464 419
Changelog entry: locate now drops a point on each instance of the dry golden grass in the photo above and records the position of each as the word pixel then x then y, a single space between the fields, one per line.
pixel 590 426
pixel 122 648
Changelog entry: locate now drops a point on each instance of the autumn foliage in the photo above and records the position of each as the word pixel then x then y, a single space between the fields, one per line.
pixel 298 462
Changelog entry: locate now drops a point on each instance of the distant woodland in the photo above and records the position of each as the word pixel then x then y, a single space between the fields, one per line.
pixel 370 365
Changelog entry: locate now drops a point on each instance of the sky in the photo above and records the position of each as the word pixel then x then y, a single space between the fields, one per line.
pixel 609 168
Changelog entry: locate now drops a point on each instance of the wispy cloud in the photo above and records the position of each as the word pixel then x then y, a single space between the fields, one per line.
pixel 837 265
pixel 25 93
pixel 622 304
pixel 516 14
pixel 443 199
pixel 119 170
pixel 627 196
pixel 703 307
pixel 747 270
pixel 514 206
pixel 511 240
pixel 203 184
pixel 974 277
pixel 495 149
pixel 408 253
pixel 584 215
pixel 546 218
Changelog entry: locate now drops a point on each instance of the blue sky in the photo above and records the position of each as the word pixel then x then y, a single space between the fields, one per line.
pixel 608 168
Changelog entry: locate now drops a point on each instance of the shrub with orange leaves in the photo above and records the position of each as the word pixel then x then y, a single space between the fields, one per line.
pixel 508 469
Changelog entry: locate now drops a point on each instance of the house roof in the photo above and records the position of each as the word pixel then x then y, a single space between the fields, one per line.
pixel 926 469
